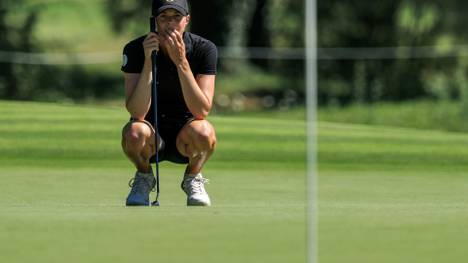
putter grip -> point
(152, 24)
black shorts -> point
(169, 128)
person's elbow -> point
(202, 113)
(135, 113)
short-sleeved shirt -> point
(202, 56)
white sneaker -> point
(194, 187)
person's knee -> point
(135, 137)
(196, 138)
(133, 142)
(207, 137)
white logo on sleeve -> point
(124, 60)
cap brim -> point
(175, 7)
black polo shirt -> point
(202, 56)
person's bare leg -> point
(138, 145)
(196, 141)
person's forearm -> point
(139, 102)
(197, 102)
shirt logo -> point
(124, 60)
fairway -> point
(64, 182)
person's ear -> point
(187, 20)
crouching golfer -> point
(186, 69)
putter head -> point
(155, 203)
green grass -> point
(392, 194)
(64, 182)
(425, 114)
(386, 194)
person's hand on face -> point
(172, 25)
(175, 46)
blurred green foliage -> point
(51, 26)
(399, 24)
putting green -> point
(64, 182)
(385, 194)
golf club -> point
(154, 97)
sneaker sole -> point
(195, 203)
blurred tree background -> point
(421, 56)
(400, 24)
